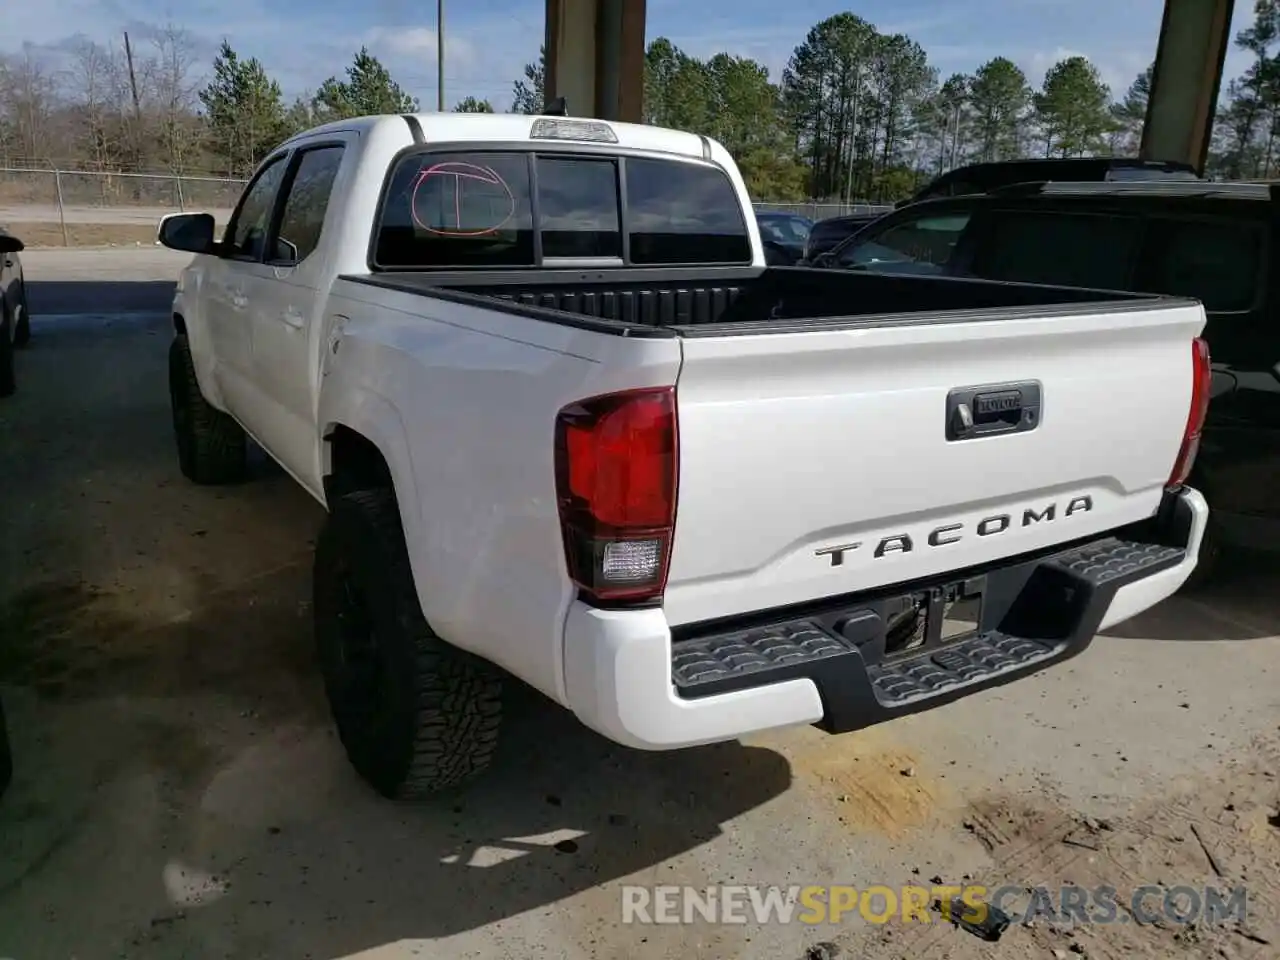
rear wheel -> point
(415, 714)
(211, 445)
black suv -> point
(982, 177)
(1216, 242)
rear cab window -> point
(529, 208)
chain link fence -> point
(64, 200)
(821, 209)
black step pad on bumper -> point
(1036, 612)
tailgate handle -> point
(992, 409)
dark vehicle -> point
(15, 324)
(981, 177)
(978, 178)
(829, 233)
(1216, 242)
(784, 233)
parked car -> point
(826, 235)
(788, 231)
(568, 426)
(1210, 241)
(15, 322)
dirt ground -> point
(37, 235)
(180, 792)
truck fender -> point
(374, 418)
(186, 320)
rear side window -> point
(479, 210)
(457, 210)
(683, 213)
(1064, 249)
(1216, 262)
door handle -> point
(292, 318)
(986, 411)
(238, 300)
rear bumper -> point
(629, 679)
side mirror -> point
(11, 244)
(188, 232)
(899, 204)
(286, 253)
(822, 260)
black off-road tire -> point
(415, 715)
(8, 380)
(211, 445)
(22, 331)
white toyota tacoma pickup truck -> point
(568, 426)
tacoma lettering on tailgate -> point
(954, 532)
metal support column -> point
(1194, 36)
(595, 57)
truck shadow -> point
(95, 297)
(209, 738)
(175, 762)
(1239, 604)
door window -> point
(306, 203)
(922, 245)
(247, 232)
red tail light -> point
(1202, 375)
(616, 484)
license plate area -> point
(933, 618)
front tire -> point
(211, 445)
(415, 715)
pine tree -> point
(367, 90)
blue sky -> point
(488, 41)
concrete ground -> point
(71, 213)
(180, 792)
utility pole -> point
(137, 106)
(440, 55)
(133, 78)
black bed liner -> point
(729, 300)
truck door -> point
(227, 315)
(287, 294)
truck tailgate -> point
(820, 462)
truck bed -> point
(740, 299)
